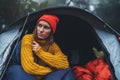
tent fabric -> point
(16, 55)
(6, 40)
(113, 46)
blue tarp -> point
(113, 46)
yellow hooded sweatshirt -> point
(50, 60)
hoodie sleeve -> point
(27, 59)
(57, 60)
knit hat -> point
(51, 19)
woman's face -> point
(43, 30)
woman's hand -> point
(35, 46)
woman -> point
(40, 55)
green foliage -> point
(108, 10)
(11, 10)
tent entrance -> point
(76, 38)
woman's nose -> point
(41, 29)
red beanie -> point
(51, 19)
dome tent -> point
(78, 32)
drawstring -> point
(118, 34)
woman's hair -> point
(50, 38)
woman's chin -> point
(41, 38)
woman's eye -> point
(40, 25)
(46, 27)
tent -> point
(78, 32)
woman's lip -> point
(40, 34)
